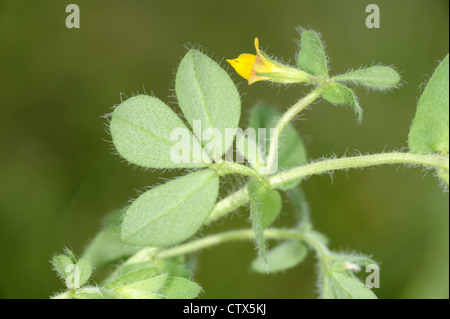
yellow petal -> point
(257, 45)
(243, 64)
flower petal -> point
(243, 64)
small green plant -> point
(149, 241)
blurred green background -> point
(59, 175)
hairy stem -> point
(311, 238)
(285, 119)
(358, 161)
(240, 197)
(216, 239)
(226, 168)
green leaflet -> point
(339, 94)
(282, 257)
(312, 57)
(265, 206)
(344, 285)
(268, 202)
(142, 289)
(129, 275)
(171, 213)
(291, 151)
(375, 77)
(145, 132)
(107, 247)
(120, 275)
(429, 129)
(180, 288)
(136, 270)
(205, 92)
(70, 254)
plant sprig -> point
(150, 242)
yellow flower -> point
(259, 68)
(243, 64)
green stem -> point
(312, 238)
(309, 237)
(216, 239)
(358, 161)
(240, 197)
(229, 204)
(284, 121)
